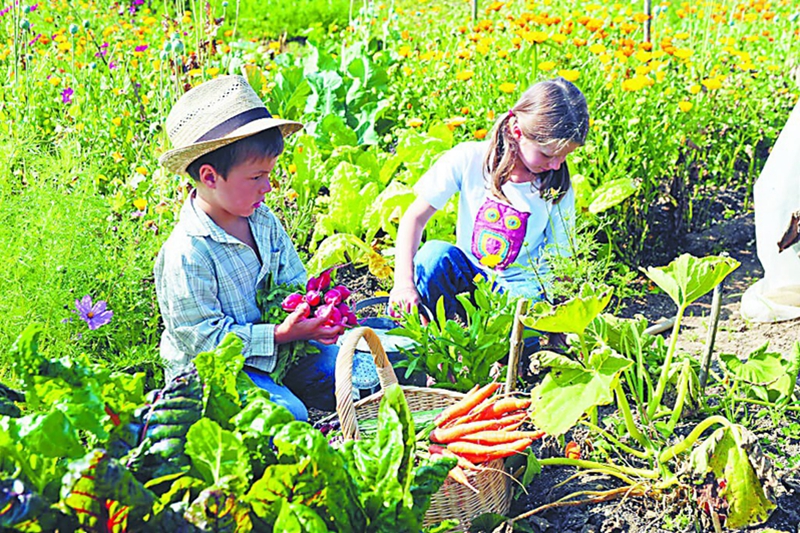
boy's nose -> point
(267, 187)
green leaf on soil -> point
(573, 316)
(570, 389)
(687, 278)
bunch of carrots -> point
(481, 427)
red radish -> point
(313, 298)
(291, 302)
(333, 296)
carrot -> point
(478, 453)
(454, 433)
(501, 436)
(502, 407)
(465, 464)
(463, 406)
(471, 416)
(459, 476)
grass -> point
(57, 244)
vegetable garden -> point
(92, 439)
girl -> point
(515, 199)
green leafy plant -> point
(458, 356)
(211, 453)
(610, 355)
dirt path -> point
(736, 237)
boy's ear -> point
(208, 176)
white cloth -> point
(516, 234)
(776, 297)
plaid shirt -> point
(206, 283)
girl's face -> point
(534, 158)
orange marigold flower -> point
(480, 134)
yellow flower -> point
(291, 195)
(597, 48)
(712, 83)
(116, 121)
(213, 71)
(381, 293)
(273, 45)
(195, 72)
(414, 122)
(480, 134)
(643, 56)
(535, 36)
(140, 204)
(464, 75)
(694, 89)
(559, 38)
(491, 260)
(117, 157)
(404, 51)
(683, 53)
(292, 168)
(685, 106)
(569, 75)
(544, 66)
(141, 170)
(54, 81)
(507, 87)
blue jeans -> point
(311, 382)
(442, 270)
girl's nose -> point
(555, 163)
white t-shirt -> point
(512, 235)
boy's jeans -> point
(310, 382)
(442, 270)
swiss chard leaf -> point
(218, 371)
(218, 454)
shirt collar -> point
(198, 224)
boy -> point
(227, 242)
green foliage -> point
(458, 356)
(293, 19)
(237, 463)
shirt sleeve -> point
(444, 178)
(193, 314)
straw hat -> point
(215, 114)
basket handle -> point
(344, 376)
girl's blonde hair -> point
(552, 113)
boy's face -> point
(244, 189)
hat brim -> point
(178, 159)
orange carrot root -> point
(463, 406)
(501, 436)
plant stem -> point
(655, 401)
(690, 439)
(622, 402)
(602, 467)
(624, 447)
(767, 404)
(683, 387)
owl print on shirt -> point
(499, 231)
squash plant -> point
(609, 356)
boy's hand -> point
(298, 327)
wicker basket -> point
(453, 500)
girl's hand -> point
(298, 327)
(404, 299)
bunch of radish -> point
(322, 299)
(481, 427)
